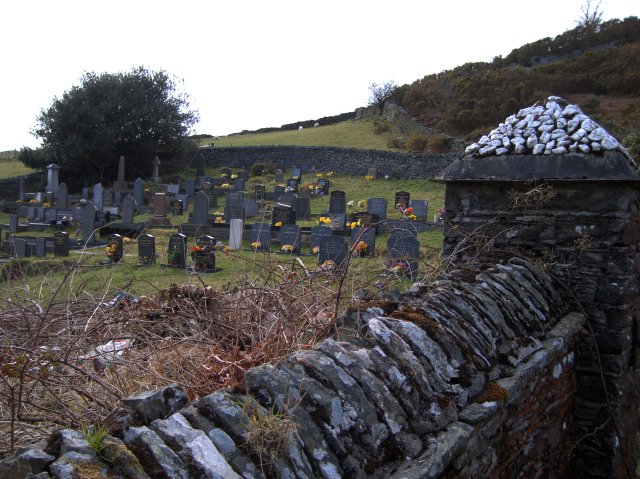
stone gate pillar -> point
(577, 213)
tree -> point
(137, 114)
(590, 18)
(380, 93)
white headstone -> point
(235, 234)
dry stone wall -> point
(471, 376)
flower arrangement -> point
(287, 248)
(227, 250)
(289, 189)
(324, 220)
(412, 217)
(361, 248)
(362, 203)
(328, 265)
(225, 186)
(110, 250)
(369, 177)
(278, 223)
(355, 224)
(399, 268)
(315, 250)
(46, 204)
(295, 177)
(234, 176)
(331, 174)
(218, 219)
(312, 186)
(202, 257)
(223, 175)
(320, 175)
(256, 245)
(442, 212)
(350, 204)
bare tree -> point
(591, 16)
(379, 93)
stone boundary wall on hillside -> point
(346, 161)
(472, 376)
(9, 186)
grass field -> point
(10, 167)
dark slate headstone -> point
(41, 247)
(339, 194)
(366, 236)
(333, 248)
(172, 189)
(116, 248)
(212, 194)
(41, 214)
(259, 192)
(402, 198)
(238, 184)
(200, 208)
(190, 187)
(61, 199)
(372, 171)
(365, 218)
(378, 206)
(107, 197)
(261, 233)
(287, 198)
(404, 249)
(250, 208)
(278, 191)
(290, 235)
(138, 191)
(85, 193)
(279, 176)
(233, 212)
(338, 222)
(420, 209)
(203, 254)
(234, 198)
(146, 249)
(20, 247)
(283, 214)
(61, 243)
(117, 198)
(176, 206)
(337, 205)
(297, 173)
(323, 183)
(185, 201)
(127, 209)
(390, 226)
(31, 213)
(177, 250)
(97, 196)
(292, 185)
(21, 191)
(317, 233)
(303, 207)
(87, 223)
(13, 223)
(199, 166)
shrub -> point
(381, 125)
(439, 143)
(416, 142)
(258, 169)
(397, 142)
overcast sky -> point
(257, 63)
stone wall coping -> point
(611, 166)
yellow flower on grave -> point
(278, 223)
(227, 250)
(223, 175)
(324, 220)
(126, 239)
(369, 177)
(331, 173)
(287, 248)
(46, 204)
(355, 224)
(361, 247)
(315, 250)
(234, 176)
(319, 175)
(362, 203)
(256, 245)
(295, 177)
(219, 219)
(225, 185)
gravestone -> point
(226, 171)
(156, 170)
(378, 206)
(203, 260)
(233, 212)
(287, 198)
(261, 233)
(250, 208)
(61, 243)
(116, 248)
(337, 205)
(190, 187)
(234, 198)
(404, 250)
(278, 191)
(146, 249)
(176, 207)
(367, 236)
(334, 249)
(107, 197)
(41, 247)
(61, 198)
(40, 214)
(339, 194)
(366, 219)
(177, 251)
(39, 197)
(317, 233)
(372, 171)
(292, 185)
(120, 184)
(421, 211)
(279, 176)
(51, 215)
(97, 196)
(303, 207)
(87, 223)
(402, 199)
(259, 192)
(284, 214)
(127, 209)
(13, 223)
(200, 166)
(31, 213)
(238, 184)
(53, 171)
(138, 191)
(338, 221)
(19, 247)
(159, 210)
(323, 183)
(236, 228)
(185, 201)
(390, 226)
(290, 235)
(117, 198)
(200, 208)
(296, 173)
(21, 196)
(85, 193)
(172, 189)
